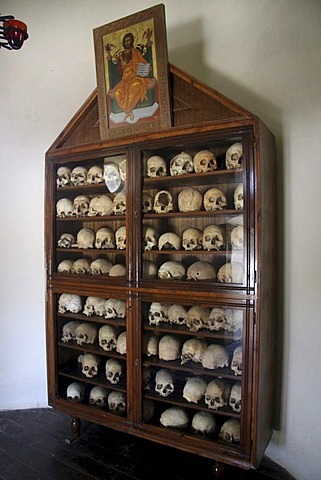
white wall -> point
(263, 54)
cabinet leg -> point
(75, 429)
(218, 470)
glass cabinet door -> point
(90, 234)
(196, 228)
(92, 351)
(194, 368)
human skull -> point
(190, 200)
(100, 266)
(76, 392)
(164, 382)
(120, 237)
(119, 204)
(236, 364)
(95, 175)
(98, 396)
(63, 176)
(157, 313)
(146, 378)
(204, 161)
(86, 333)
(177, 315)
(214, 199)
(80, 207)
(78, 176)
(121, 345)
(217, 394)
(175, 417)
(94, 305)
(163, 202)
(239, 197)
(203, 423)
(169, 348)
(65, 266)
(64, 208)
(117, 270)
(234, 321)
(80, 266)
(69, 331)
(171, 269)
(197, 318)
(192, 239)
(85, 238)
(89, 364)
(230, 272)
(156, 167)
(149, 269)
(105, 238)
(194, 389)
(230, 431)
(114, 370)
(100, 205)
(122, 170)
(112, 176)
(237, 237)
(217, 319)
(181, 164)
(236, 397)
(214, 238)
(69, 303)
(115, 308)
(169, 241)
(66, 240)
(193, 350)
(107, 337)
(200, 271)
(117, 402)
(148, 202)
(150, 344)
(215, 356)
(234, 156)
(150, 236)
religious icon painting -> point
(133, 74)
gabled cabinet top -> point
(193, 104)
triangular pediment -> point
(193, 103)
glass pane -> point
(91, 351)
(192, 368)
(193, 216)
(91, 218)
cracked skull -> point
(100, 205)
(163, 202)
(193, 350)
(169, 241)
(69, 303)
(190, 200)
(78, 176)
(181, 164)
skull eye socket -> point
(232, 400)
(217, 399)
(207, 398)
(86, 368)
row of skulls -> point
(190, 199)
(102, 307)
(86, 206)
(98, 397)
(94, 175)
(203, 423)
(229, 272)
(114, 370)
(213, 237)
(82, 266)
(104, 238)
(216, 393)
(85, 333)
(202, 162)
(212, 356)
(196, 317)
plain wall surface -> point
(264, 55)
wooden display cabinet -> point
(197, 361)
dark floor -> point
(33, 446)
